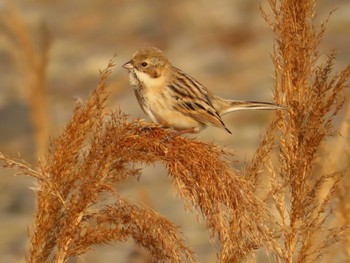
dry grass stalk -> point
(313, 98)
(32, 63)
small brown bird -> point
(176, 100)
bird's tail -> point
(224, 106)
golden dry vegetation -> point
(288, 201)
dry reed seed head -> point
(145, 226)
(77, 177)
(31, 62)
(196, 168)
(205, 182)
(313, 95)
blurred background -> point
(224, 44)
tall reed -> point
(32, 61)
(313, 96)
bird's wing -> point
(193, 99)
(200, 111)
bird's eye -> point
(144, 64)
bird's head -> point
(149, 64)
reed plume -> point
(313, 96)
(32, 61)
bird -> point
(176, 100)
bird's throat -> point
(149, 81)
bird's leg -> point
(189, 130)
(178, 133)
(152, 126)
(147, 129)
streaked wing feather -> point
(199, 113)
(193, 99)
(184, 81)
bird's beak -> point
(128, 65)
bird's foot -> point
(178, 133)
(148, 128)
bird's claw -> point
(147, 128)
(166, 139)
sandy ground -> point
(224, 44)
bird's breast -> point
(158, 104)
